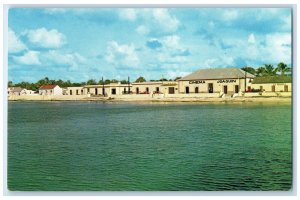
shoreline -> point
(168, 100)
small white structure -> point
(16, 91)
(29, 92)
(50, 90)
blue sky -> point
(79, 44)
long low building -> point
(225, 80)
(202, 83)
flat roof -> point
(220, 73)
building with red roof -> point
(50, 90)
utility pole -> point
(128, 85)
(103, 90)
(245, 80)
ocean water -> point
(96, 146)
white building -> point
(50, 90)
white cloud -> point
(128, 14)
(171, 41)
(251, 39)
(142, 30)
(279, 47)
(166, 22)
(62, 59)
(118, 54)
(29, 58)
(15, 45)
(46, 38)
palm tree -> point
(282, 68)
(261, 71)
(270, 71)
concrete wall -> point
(47, 97)
(268, 94)
(267, 87)
(76, 91)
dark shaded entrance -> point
(273, 88)
(225, 89)
(236, 89)
(187, 90)
(171, 90)
(210, 88)
(137, 90)
(113, 91)
(196, 90)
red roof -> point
(48, 86)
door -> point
(236, 89)
(113, 91)
(137, 90)
(171, 90)
(187, 90)
(196, 90)
(210, 88)
(225, 89)
(96, 91)
(147, 90)
(286, 88)
(273, 88)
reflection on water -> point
(61, 146)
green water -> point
(84, 146)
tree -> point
(124, 82)
(163, 79)
(261, 71)
(114, 81)
(140, 79)
(91, 82)
(107, 81)
(269, 70)
(250, 70)
(282, 68)
(10, 84)
(178, 77)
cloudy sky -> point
(80, 44)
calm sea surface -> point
(63, 146)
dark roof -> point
(16, 89)
(220, 73)
(272, 79)
(45, 87)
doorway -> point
(210, 88)
(113, 91)
(137, 90)
(171, 90)
(196, 90)
(273, 88)
(225, 89)
(187, 90)
(96, 91)
(286, 88)
(236, 89)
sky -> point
(79, 44)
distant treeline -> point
(265, 70)
(269, 70)
(68, 83)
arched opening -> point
(196, 89)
